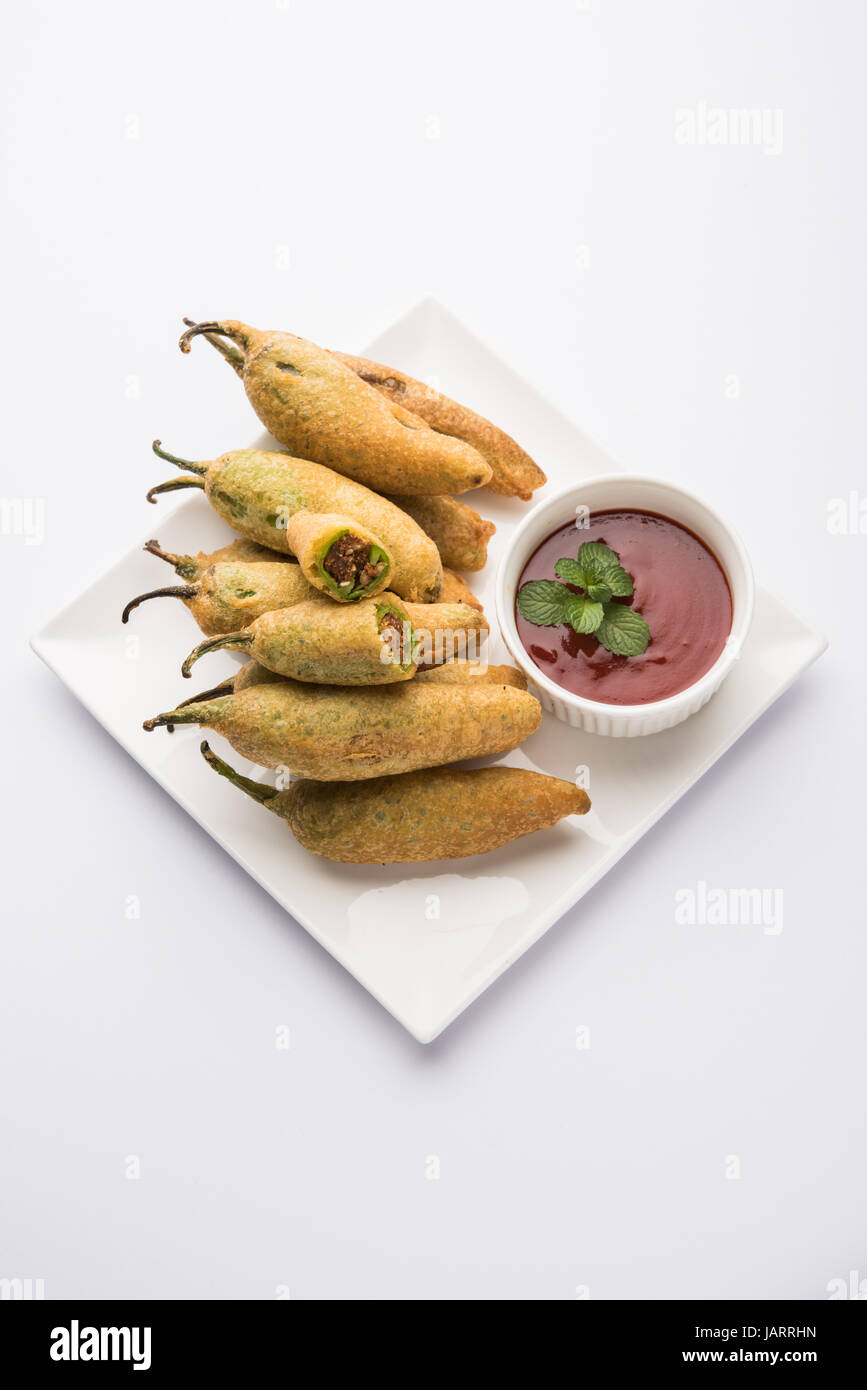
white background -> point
(319, 167)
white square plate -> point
(425, 940)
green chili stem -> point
(185, 565)
(172, 717)
(226, 688)
(202, 713)
(235, 333)
(234, 358)
(235, 641)
(200, 468)
(174, 485)
(246, 784)
(172, 591)
(154, 548)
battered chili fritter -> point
(326, 643)
(444, 813)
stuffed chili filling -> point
(353, 565)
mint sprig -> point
(598, 571)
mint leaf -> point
(582, 614)
(571, 572)
(598, 571)
(543, 602)
(600, 593)
(594, 558)
(623, 631)
(618, 581)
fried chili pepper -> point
(257, 493)
(367, 643)
(514, 473)
(349, 733)
(322, 410)
(230, 596)
(441, 813)
(459, 533)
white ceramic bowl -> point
(643, 494)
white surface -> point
(628, 277)
(426, 939)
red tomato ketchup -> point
(680, 589)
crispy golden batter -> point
(192, 567)
(346, 734)
(459, 533)
(235, 595)
(366, 643)
(230, 595)
(258, 493)
(514, 473)
(463, 672)
(238, 549)
(455, 589)
(321, 410)
(456, 672)
(253, 673)
(441, 813)
(443, 631)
